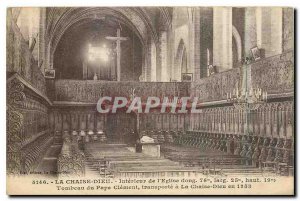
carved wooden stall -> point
(28, 135)
(71, 160)
(75, 111)
(267, 135)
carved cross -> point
(118, 40)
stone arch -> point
(184, 66)
(238, 43)
(62, 18)
(183, 26)
(181, 55)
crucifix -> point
(118, 40)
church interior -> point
(61, 60)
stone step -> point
(241, 171)
(134, 164)
(154, 168)
(118, 159)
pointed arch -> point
(180, 59)
(238, 42)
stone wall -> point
(19, 57)
(288, 29)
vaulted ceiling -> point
(145, 22)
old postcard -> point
(150, 100)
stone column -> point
(164, 75)
(269, 30)
(250, 29)
(222, 38)
(41, 39)
(153, 62)
(170, 54)
(196, 44)
(276, 31)
(148, 61)
(206, 39)
(288, 29)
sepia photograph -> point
(159, 100)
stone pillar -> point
(269, 30)
(206, 39)
(153, 61)
(158, 58)
(41, 39)
(164, 75)
(170, 54)
(147, 65)
(250, 29)
(288, 29)
(143, 76)
(196, 44)
(276, 31)
(222, 38)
